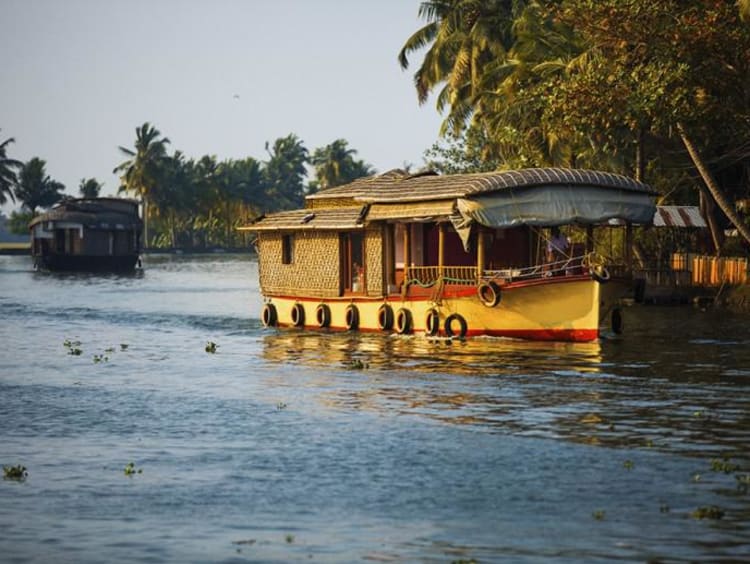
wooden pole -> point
(441, 249)
(407, 257)
(480, 254)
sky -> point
(217, 77)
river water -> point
(287, 446)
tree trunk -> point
(712, 186)
(708, 210)
(145, 223)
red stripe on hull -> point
(573, 335)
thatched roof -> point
(397, 186)
(310, 220)
(94, 213)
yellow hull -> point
(558, 308)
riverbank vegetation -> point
(656, 90)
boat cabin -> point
(88, 234)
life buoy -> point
(462, 327)
(351, 317)
(617, 323)
(489, 293)
(403, 321)
(268, 316)
(599, 273)
(298, 315)
(385, 317)
(432, 322)
(323, 315)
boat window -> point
(287, 249)
(353, 266)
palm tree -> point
(335, 165)
(284, 173)
(140, 173)
(464, 37)
(35, 188)
(90, 188)
(8, 169)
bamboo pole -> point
(480, 254)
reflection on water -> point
(621, 393)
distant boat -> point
(458, 255)
(88, 234)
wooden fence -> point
(711, 271)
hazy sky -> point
(217, 77)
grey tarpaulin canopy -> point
(554, 204)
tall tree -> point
(284, 173)
(140, 172)
(652, 61)
(8, 168)
(335, 165)
(90, 188)
(463, 38)
(35, 189)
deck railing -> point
(429, 275)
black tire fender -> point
(462, 326)
(351, 317)
(489, 293)
(403, 321)
(323, 316)
(432, 322)
(385, 317)
(268, 317)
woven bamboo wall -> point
(374, 260)
(314, 270)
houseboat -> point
(451, 256)
(88, 234)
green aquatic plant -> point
(724, 465)
(707, 512)
(289, 539)
(100, 358)
(664, 508)
(130, 469)
(281, 405)
(211, 347)
(599, 514)
(17, 472)
(628, 465)
(74, 347)
(357, 364)
(124, 346)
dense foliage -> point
(192, 203)
(199, 203)
(657, 89)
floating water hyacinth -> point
(130, 469)
(211, 347)
(17, 472)
(708, 512)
